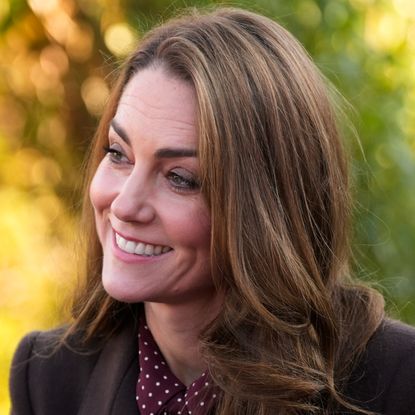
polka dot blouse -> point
(159, 392)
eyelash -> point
(115, 156)
(177, 181)
(185, 185)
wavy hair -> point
(275, 178)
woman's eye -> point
(115, 155)
(183, 181)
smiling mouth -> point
(140, 248)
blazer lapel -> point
(111, 388)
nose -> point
(133, 201)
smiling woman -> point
(216, 280)
(152, 220)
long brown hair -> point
(275, 179)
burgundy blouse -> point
(160, 392)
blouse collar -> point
(160, 392)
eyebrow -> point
(175, 153)
(161, 152)
(120, 131)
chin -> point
(120, 292)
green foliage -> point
(55, 57)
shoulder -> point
(52, 377)
(45, 371)
(384, 379)
(393, 335)
(392, 344)
(391, 352)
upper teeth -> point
(139, 248)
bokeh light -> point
(119, 39)
(44, 7)
(405, 8)
(385, 31)
(94, 93)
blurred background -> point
(55, 60)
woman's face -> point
(151, 219)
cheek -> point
(202, 228)
(191, 226)
(101, 191)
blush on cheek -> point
(102, 190)
(100, 197)
(193, 228)
(203, 221)
(95, 192)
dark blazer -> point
(102, 382)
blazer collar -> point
(111, 388)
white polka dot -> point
(187, 402)
(136, 398)
(166, 391)
(139, 352)
(142, 387)
(164, 377)
(176, 384)
(143, 406)
(163, 363)
(202, 403)
(146, 358)
(157, 383)
(146, 343)
(146, 327)
(206, 383)
(156, 367)
(159, 402)
(214, 395)
(155, 352)
(196, 393)
(139, 380)
(179, 399)
(147, 376)
(150, 394)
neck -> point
(176, 329)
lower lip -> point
(133, 258)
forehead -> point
(158, 108)
(153, 98)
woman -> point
(217, 219)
